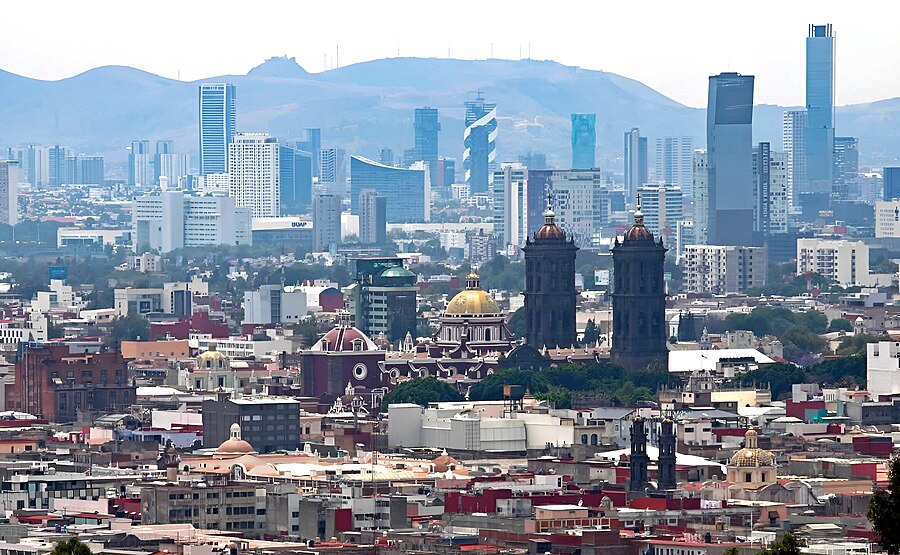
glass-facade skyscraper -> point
(635, 157)
(426, 128)
(729, 138)
(819, 109)
(584, 141)
(217, 126)
(480, 143)
(408, 191)
(846, 168)
(312, 143)
(295, 168)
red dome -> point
(344, 339)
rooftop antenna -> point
(337, 55)
(529, 50)
(492, 50)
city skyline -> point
(678, 74)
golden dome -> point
(472, 300)
(211, 353)
(751, 455)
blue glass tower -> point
(480, 143)
(217, 126)
(729, 137)
(407, 191)
(584, 141)
(819, 135)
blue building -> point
(312, 143)
(217, 126)
(891, 177)
(729, 122)
(584, 141)
(295, 168)
(819, 135)
(480, 143)
(408, 191)
(426, 128)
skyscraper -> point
(332, 172)
(295, 169)
(770, 191)
(550, 296)
(140, 164)
(701, 196)
(891, 183)
(86, 170)
(326, 222)
(217, 126)
(793, 130)
(57, 165)
(674, 163)
(254, 180)
(9, 192)
(172, 165)
(663, 207)
(408, 190)
(635, 157)
(426, 128)
(312, 143)
(846, 168)
(729, 120)
(510, 186)
(480, 143)
(584, 141)
(372, 217)
(820, 108)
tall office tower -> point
(675, 163)
(511, 207)
(326, 222)
(446, 173)
(819, 108)
(57, 162)
(332, 171)
(793, 129)
(480, 143)
(635, 157)
(9, 192)
(426, 127)
(846, 168)
(386, 156)
(534, 161)
(372, 217)
(539, 188)
(701, 196)
(663, 208)
(173, 166)
(584, 141)
(312, 143)
(891, 176)
(770, 215)
(295, 168)
(140, 164)
(639, 299)
(218, 122)
(85, 170)
(550, 296)
(729, 120)
(408, 190)
(33, 164)
(254, 179)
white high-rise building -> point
(171, 220)
(842, 261)
(887, 218)
(581, 203)
(332, 171)
(510, 186)
(326, 222)
(254, 176)
(701, 196)
(721, 269)
(9, 192)
(662, 206)
(770, 216)
(675, 163)
(793, 136)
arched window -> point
(584, 439)
(593, 439)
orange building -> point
(149, 350)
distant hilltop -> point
(366, 106)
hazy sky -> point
(670, 45)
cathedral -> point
(639, 299)
(550, 287)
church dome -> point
(751, 455)
(638, 231)
(235, 445)
(211, 354)
(472, 300)
(344, 338)
(550, 231)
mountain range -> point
(366, 106)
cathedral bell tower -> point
(639, 299)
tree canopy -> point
(129, 328)
(847, 371)
(421, 391)
(884, 510)
(72, 546)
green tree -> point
(856, 344)
(591, 333)
(421, 391)
(72, 546)
(786, 545)
(884, 510)
(516, 323)
(804, 339)
(780, 377)
(840, 324)
(129, 328)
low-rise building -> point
(845, 262)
